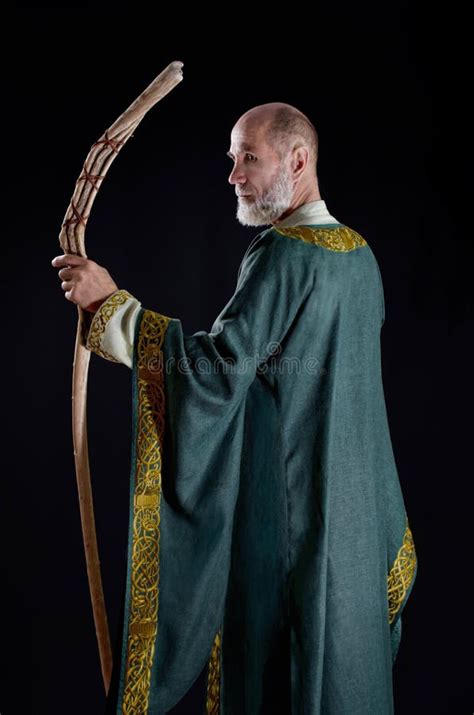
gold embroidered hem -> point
(213, 678)
(401, 574)
(100, 320)
(340, 238)
(144, 568)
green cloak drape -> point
(268, 533)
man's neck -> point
(306, 198)
(307, 214)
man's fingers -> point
(83, 281)
(66, 274)
(69, 259)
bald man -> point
(270, 549)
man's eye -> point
(251, 157)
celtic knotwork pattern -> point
(401, 574)
(100, 320)
(214, 677)
(145, 559)
(340, 238)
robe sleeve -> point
(189, 395)
(112, 328)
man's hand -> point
(85, 282)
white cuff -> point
(112, 329)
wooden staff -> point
(71, 239)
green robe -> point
(269, 540)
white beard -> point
(270, 206)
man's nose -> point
(237, 175)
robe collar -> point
(312, 213)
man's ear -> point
(299, 161)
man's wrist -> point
(94, 307)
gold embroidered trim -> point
(145, 564)
(100, 320)
(401, 574)
(341, 238)
(214, 678)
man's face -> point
(262, 183)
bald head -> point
(274, 152)
(286, 128)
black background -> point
(384, 92)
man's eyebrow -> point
(244, 147)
